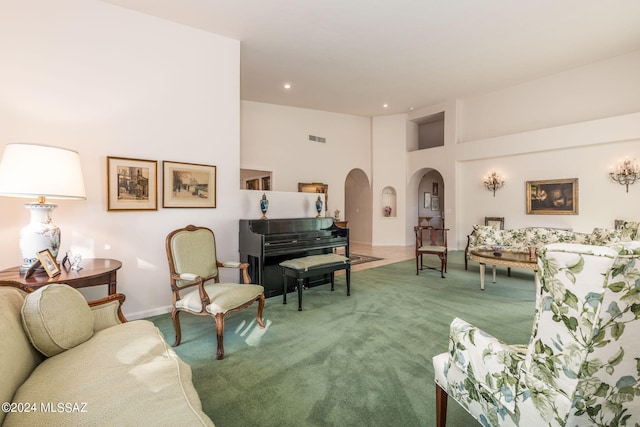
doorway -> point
(357, 206)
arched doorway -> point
(357, 206)
(431, 200)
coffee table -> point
(507, 259)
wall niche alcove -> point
(389, 206)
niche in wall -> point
(389, 202)
(315, 187)
(430, 131)
(251, 179)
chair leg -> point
(300, 286)
(333, 281)
(443, 264)
(349, 280)
(220, 336)
(417, 270)
(260, 308)
(441, 407)
(176, 326)
(284, 290)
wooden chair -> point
(437, 245)
(195, 281)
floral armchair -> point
(581, 366)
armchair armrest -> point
(490, 364)
(107, 311)
(243, 266)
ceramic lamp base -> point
(40, 234)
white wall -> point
(276, 138)
(575, 124)
(107, 81)
(602, 89)
(389, 141)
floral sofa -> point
(64, 363)
(580, 367)
(519, 240)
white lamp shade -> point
(30, 170)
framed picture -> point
(552, 197)
(266, 183)
(132, 184)
(48, 262)
(252, 184)
(427, 200)
(188, 185)
(435, 203)
(434, 189)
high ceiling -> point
(353, 56)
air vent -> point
(317, 138)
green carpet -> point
(363, 360)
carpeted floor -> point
(363, 360)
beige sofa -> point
(64, 363)
(519, 240)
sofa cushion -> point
(18, 358)
(125, 375)
(603, 236)
(487, 235)
(56, 318)
(629, 229)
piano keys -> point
(264, 244)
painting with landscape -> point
(188, 185)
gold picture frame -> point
(552, 197)
(48, 262)
(132, 184)
(188, 185)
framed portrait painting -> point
(132, 184)
(552, 197)
(188, 185)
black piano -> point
(264, 244)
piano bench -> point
(314, 265)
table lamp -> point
(40, 171)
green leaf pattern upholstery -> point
(519, 240)
(581, 366)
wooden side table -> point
(94, 272)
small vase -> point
(318, 206)
(264, 206)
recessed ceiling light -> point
(385, 105)
(287, 85)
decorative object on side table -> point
(626, 172)
(387, 210)
(336, 214)
(318, 206)
(264, 206)
(49, 263)
(40, 171)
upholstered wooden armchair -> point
(195, 281)
(581, 366)
(436, 245)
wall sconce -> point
(627, 172)
(493, 181)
